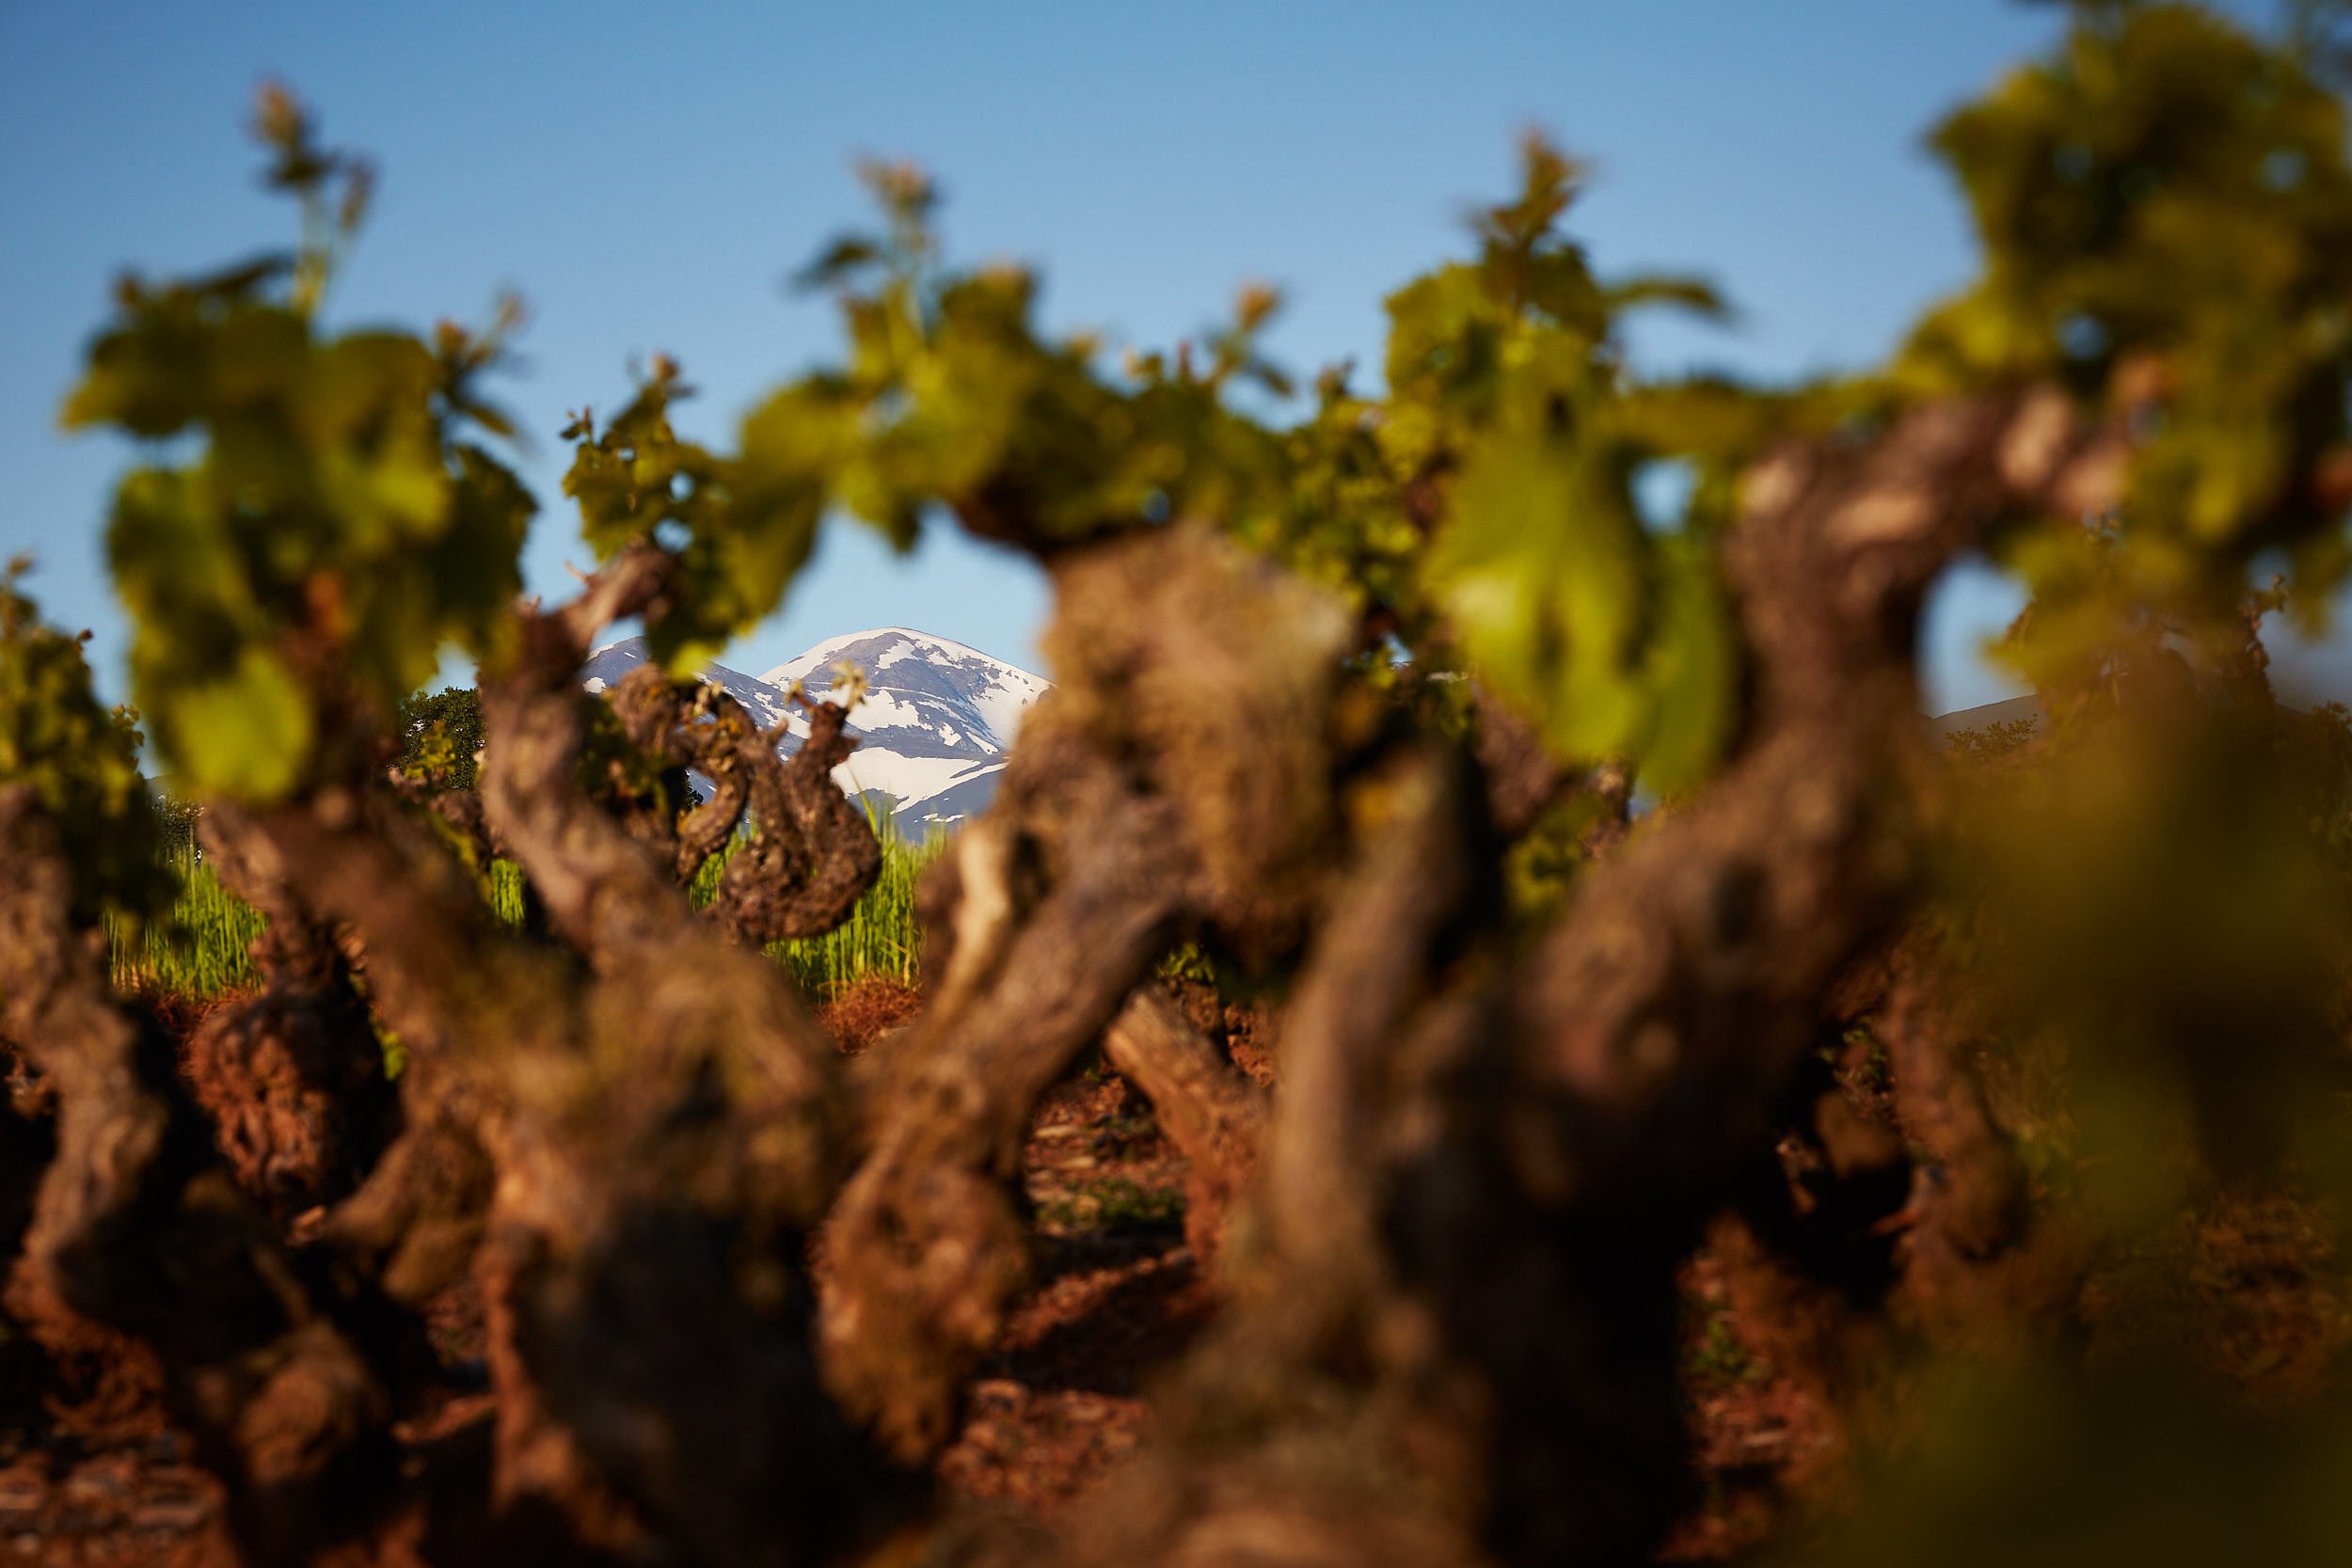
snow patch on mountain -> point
(934, 723)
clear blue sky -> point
(648, 175)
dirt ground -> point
(102, 1480)
(106, 1481)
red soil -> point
(867, 1010)
(90, 1473)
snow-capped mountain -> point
(934, 723)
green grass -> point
(1115, 1206)
(201, 951)
(1717, 1358)
(881, 935)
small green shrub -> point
(1717, 1358)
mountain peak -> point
(888, 638)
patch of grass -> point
(201, 950)
(881, 935)
(506, 893)
(1115, 1206)
(1718, 1357)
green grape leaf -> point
(1545, 581)
(247, 734)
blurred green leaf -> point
(246, 735)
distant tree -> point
(441, 739)
(176, 822)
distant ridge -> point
(2015, 709)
